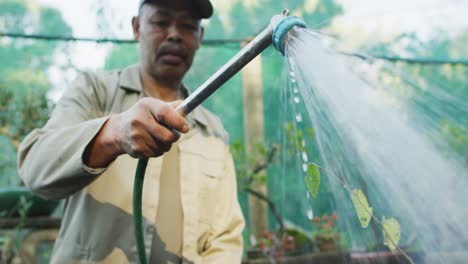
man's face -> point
(169, 34)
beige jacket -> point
(97, 225)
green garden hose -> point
(137, 212)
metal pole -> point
(234, 65)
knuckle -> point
(135, 136)
(157, 131)
(135, 150)
(135, 122)
(168, 137)
(164, 110)
(139, 105)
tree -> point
(23, 80)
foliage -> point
(457, 137)
(121, 56)
(21, 16)
(256, 16)
(25, 107)
(363, 210)
(391, 233)
(326, 228)
(23, 80)
(390, 227)
(276, 246)
(11, 242)
(251, 166)
(312, 179)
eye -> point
(160, 23)
(190, 26)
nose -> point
(174, 34)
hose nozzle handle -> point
(281, 25)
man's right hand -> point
(142, 131)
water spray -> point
(276, 34)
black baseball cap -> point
(204, 7)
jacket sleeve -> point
(227, 245)
(50, 159)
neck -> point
(165, 91)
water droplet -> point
(303, 143)
(304, 167)
(304, 157)
(297, 99)
(299, 118)
(292, 74)
(308, 195)
(293, 80)
(310, 214)
(253, 240)
(296, 91)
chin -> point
(170, 73)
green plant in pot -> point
(274, 246)
(327, 237)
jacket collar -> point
(130, 80)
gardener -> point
(87, 154)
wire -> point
(221, 42)
(405, 60)
(213, 42)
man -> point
(87, 153)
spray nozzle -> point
(281, 25)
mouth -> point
(172, 56)
(172, 59)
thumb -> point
(175, 105)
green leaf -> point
(361, 205)
(310, 133)
(391, 233)
(312, 179)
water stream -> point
(371, 136)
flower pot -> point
(10, 202)
(327, 245)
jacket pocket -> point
(202, 168)
(212, 171)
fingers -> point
(150, 127)
(166, 114)
(145, 146)
(161, 134)
(155, 150)
(148, 152)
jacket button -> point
(150, 229)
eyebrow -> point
(162, 12)
(166, 12)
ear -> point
(136, 28)
(202, 32)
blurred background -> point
(44, 44)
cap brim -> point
(205, 8)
